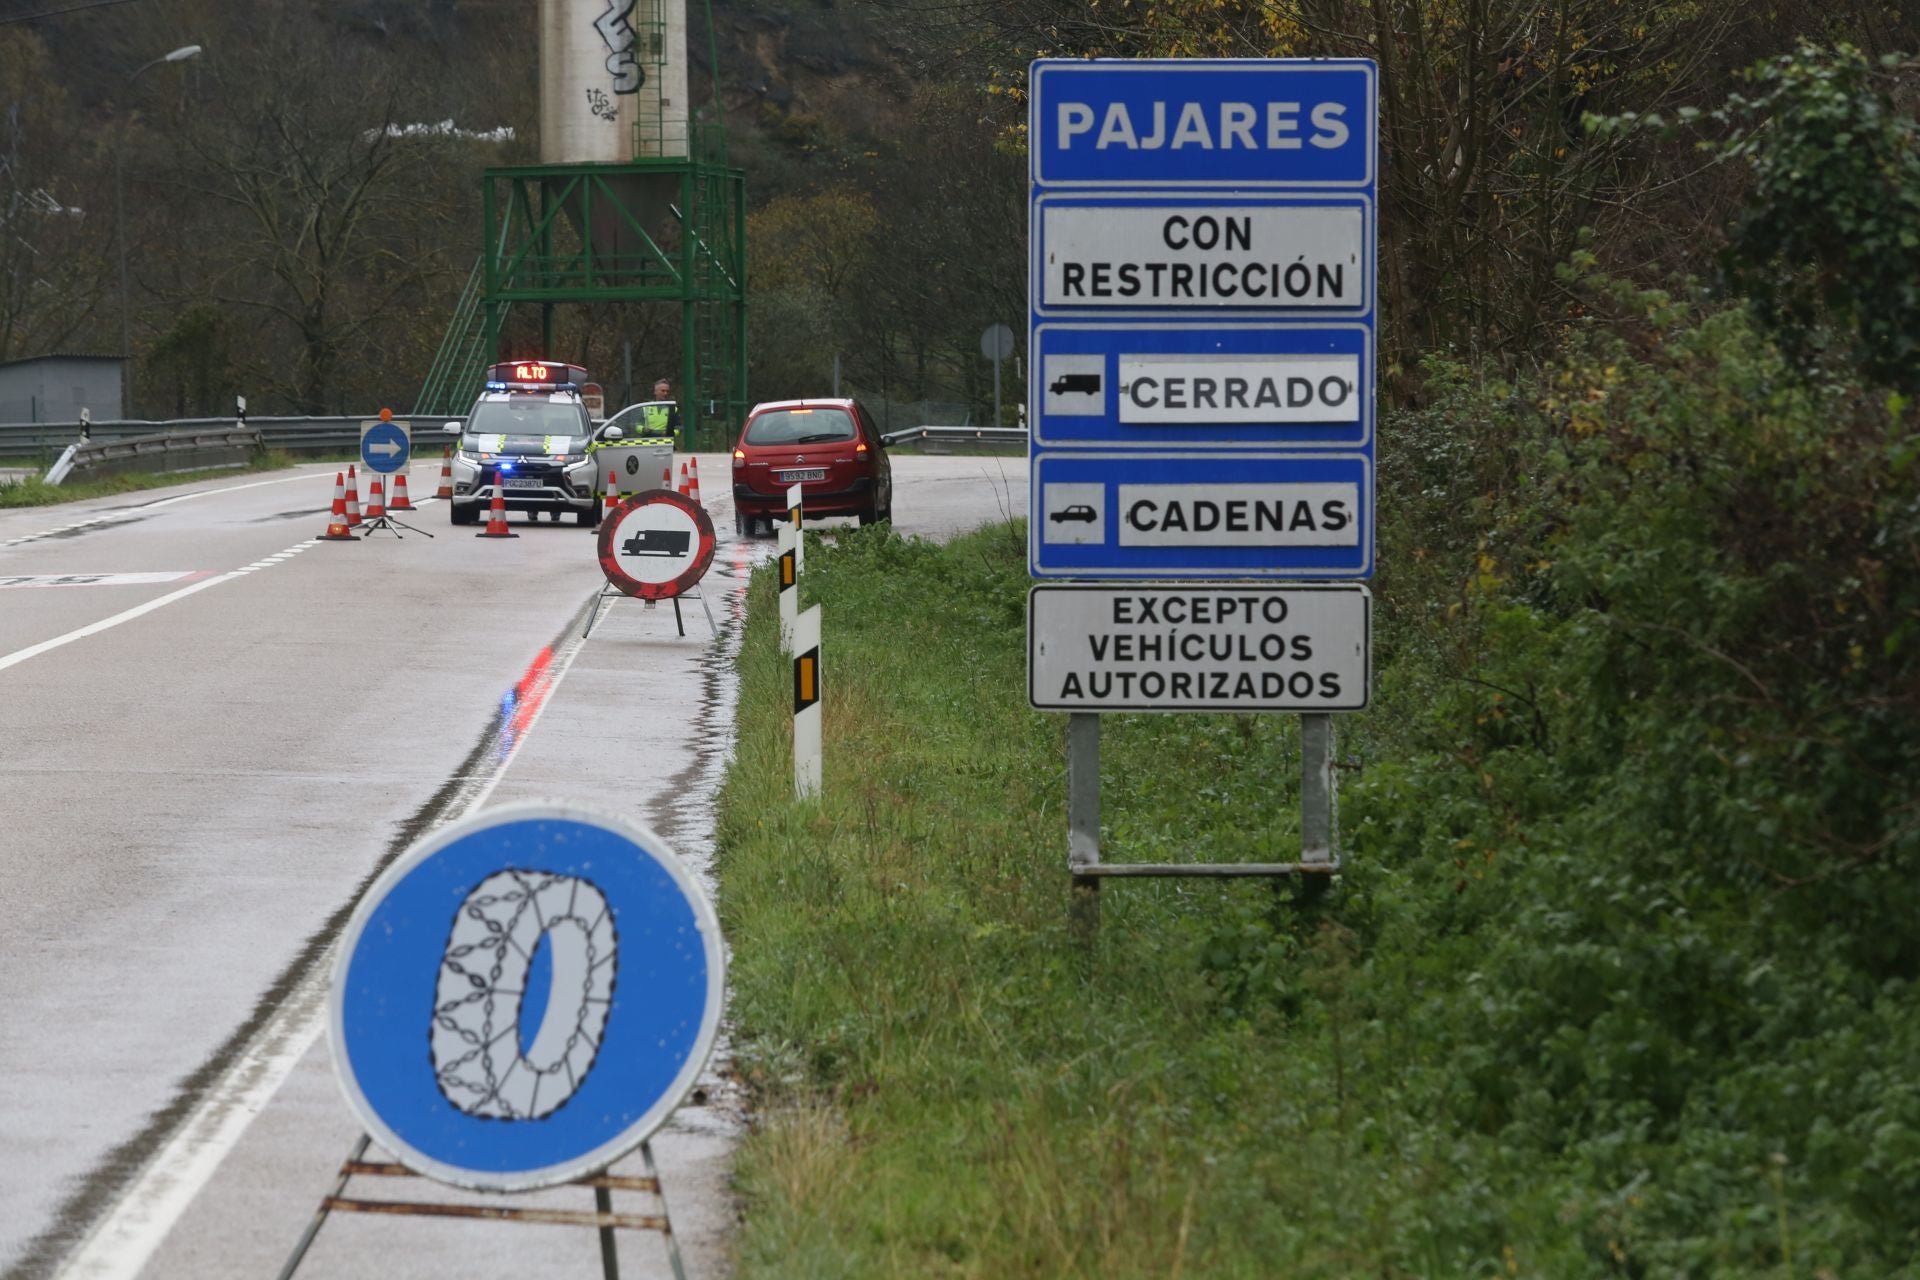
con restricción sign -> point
(524, 996)
(656, 545)
(1156, 647)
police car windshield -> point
(800, 426)
(528, 417)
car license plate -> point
(793, 477)
(521, 482)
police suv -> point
(527, 439)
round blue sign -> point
(385, 447)
(525, 996)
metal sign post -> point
(1201, 384)
(996, 344)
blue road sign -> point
(1202, 386)
(1178, 122)
(1201, 310)
(1138, 514)
(525, 996)
(385, 446)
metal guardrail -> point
(166, 451)
(958, 435)
(43, 441)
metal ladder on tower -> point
(454, 377)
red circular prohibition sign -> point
(670, 532)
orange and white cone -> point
(446, 474)
(376, 501)
(400, 500)
(353, 498)
(693, 479)
(497, 519)
(613, 492)
(682, 490)
(337, 530)
(666, 476)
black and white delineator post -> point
(806, 705)
(788, 583)
(796, 518)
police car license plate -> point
(520, 482)
(812, 473)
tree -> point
(55, 268)
(327, 225)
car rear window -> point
(800, 426)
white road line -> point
(126, 615)
(125, 1240)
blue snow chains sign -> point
(1240, 123)
(1137, 514)
(525, 996)
(385, 447)
(1202, 386)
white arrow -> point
(387, 447)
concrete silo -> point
(633, 201)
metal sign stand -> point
(387, 522)
(1319, 827)
(603, 1216)
(611, 592)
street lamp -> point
(181, 54)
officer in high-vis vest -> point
(662, 419)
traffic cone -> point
(496, 519)
(337, 530)
(682, 490)
(693, 479)
(376, 501)
(400, 500)
(666, 476)
(446, 474)
(353, 498)
(613, 492)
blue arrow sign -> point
(1241, 123)
(385, 446)
(525, 996)
(1225, 515)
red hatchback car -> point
(828, 447)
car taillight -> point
(739, 455)
(861, 447)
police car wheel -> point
(587, 519)
(463, 515)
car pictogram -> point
(1078, 511)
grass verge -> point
(32, 491)
(950, 1086)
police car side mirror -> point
(612, 433)
(451, 428)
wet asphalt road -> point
(200, 767)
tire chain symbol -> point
(482, 988)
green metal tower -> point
(666, 227)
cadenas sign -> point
(616, 29)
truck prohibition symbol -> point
(657, 542)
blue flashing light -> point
(506, 466)
(496, 386)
